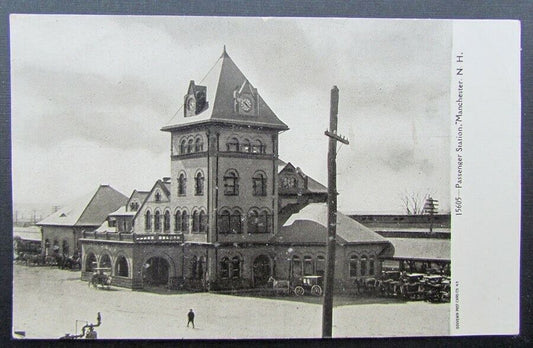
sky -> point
(91, 93)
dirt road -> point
(47, 302)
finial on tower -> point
(224, 53)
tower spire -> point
(224, 53)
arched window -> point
(296, 267)
(253, 221)
(90, 262)
(148, 220)
(158, 196)
(183, 147)
(231, 183)
(353, 266)
(121, 269)
(199, 145)
(224, 222)
(190, 146)
(177, 221)
(105, 261)
(363, 265)
(64, 247)
(258, 147)
(233, 145)
(55, 248)
(320, 265)
(263, 222)
(236, 267)
(203, 221)
(259, 184)
(308, 265)
(182, 184)
(166, 221)
(184, 222)
(371, 266)
(157, 221)
(201, 266)
(194, 267)
(246, 146)
(235, 222)
(224, 268)
(199, 184)
(195, 221)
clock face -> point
(246, 104)
(191, 104)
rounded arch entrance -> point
(262, 270)
(157, 270)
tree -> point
(414, 202)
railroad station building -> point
(231, 214)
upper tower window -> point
(190, 146)
(246, 147)
(259, 184)
(231, 183)
(233, 145)
(199, 145)
(182, 184)
(258, 147)
(183, 146)
(199, 184)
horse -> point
(34, 259)
(280, 284)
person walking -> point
(190, 318)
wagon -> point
(102, 277)
(310, 285)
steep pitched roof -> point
(309, 225)
(313, 186)
(222, 81)
(90, 210)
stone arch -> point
(105, 260)
(262, 266)
(89, 260)
(122, 266)
(157, 269)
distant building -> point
(416, 249)
(232, 214)
(61, 230)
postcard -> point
(244, 177)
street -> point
(47, 302)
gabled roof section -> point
(313, 186)
(90, 210)
(309, 225)
(222, 82)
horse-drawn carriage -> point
(303, 285)
(101, 277)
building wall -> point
(60, 234)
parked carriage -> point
(301, 286)
(101, 277)
(309, 285)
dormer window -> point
(288, 182)
(195, 101)
(157, 197)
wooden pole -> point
(327, 308)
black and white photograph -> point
(238, 178)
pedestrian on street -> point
(190, 317)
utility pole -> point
(431, 208)
(327, 306)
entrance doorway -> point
(156, 272)
(262, 270)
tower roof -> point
(222, 82)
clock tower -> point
(224, 162)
